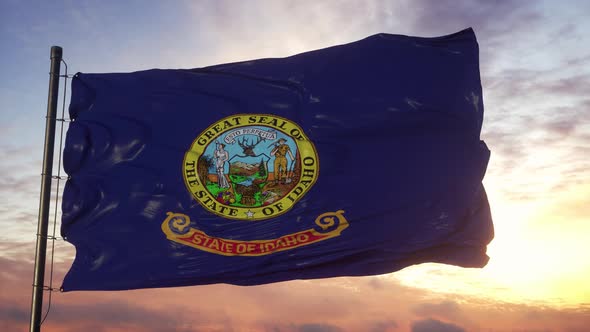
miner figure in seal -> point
(280, 152)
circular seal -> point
(250, 167)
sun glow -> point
(539, 255)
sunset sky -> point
(535, 71)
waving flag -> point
(357, 159)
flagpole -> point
(43, 220)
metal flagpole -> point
(43, 221)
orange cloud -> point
(339, 304)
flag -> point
(358, 159)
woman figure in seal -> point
(221, 156)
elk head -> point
(247, 147)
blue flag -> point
(352, 160)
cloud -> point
(383, 326)
(310, 25)
(434, 16)
(338, 304)
(578, 61)
(119, 314)
(433, 325)
(518, 86)
(319, 328)
(12, 314)
(19, 193)
(232, 31)
(446, 309)
(538, 132)
(111, 314)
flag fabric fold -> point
(352, 160)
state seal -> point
(250, 167)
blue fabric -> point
(394, 122)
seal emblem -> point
(250, 167)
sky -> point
(535, 71)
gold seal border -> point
(304, 145)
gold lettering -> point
(202, 141)
(213, 205)
(291, 240)
(226, 125)
(308, 161)
(197, 239)
(269, 246)
(209, 134)
(274, 122)
(302, 237)
(308, 172)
